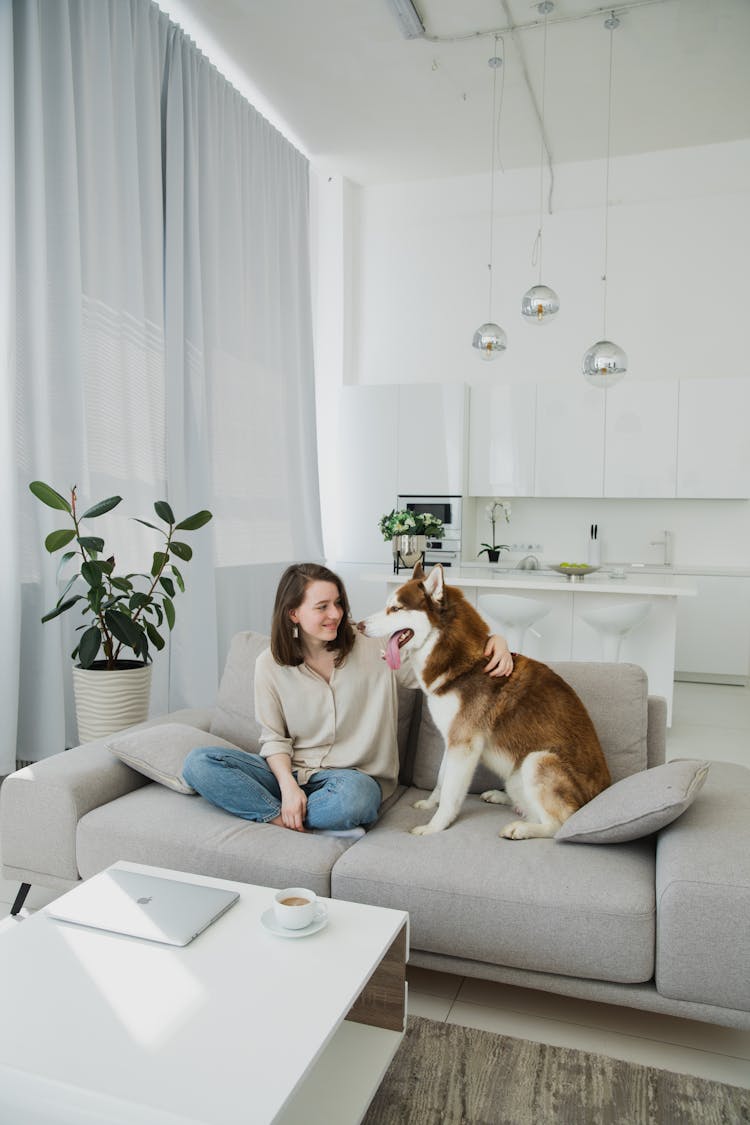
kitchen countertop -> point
(638, 583)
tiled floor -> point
(711, 722)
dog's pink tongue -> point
(393, 652)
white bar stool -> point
(613, 622)
(513, 615)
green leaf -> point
(168, 585)
(192, 523)
(160, 560)
(151, 525)
(138, 600)
(178, 578)
(57, 539)
(68, 584)
(93, 571)
(91, 543)
(102, 507)
(182, 550)
(156, 640)
(169, 612)
(89, 646)
(122, 584)
(62, 608)
(49, 497)
(121, 626)
(163, 511)
(65, 559)
(141, 649)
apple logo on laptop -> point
(144, 900)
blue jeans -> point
(243, 784)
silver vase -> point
(408, 550)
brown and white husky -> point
(530, 728)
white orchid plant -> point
(492, 510)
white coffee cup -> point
(296, 907)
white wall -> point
(414, 288)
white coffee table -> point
(239, 1026)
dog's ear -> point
(434, 585)
(418, 572)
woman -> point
(327, 705)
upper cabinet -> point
(569, 453)
(713, 450)
(501, 440)
(640, 458)
(431, 420)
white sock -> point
(348, 833)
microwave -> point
(447, 508)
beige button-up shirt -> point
(348, 723)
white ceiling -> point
(358, 98)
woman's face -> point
(320, 613)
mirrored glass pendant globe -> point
(489, 339)
(539, 304)
(604, 364)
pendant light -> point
(605, 363)
(489, 338)
(540, 303)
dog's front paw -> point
(423, 830)
(516, 830)
(496, 797)
(425, 803)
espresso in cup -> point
(296, 907)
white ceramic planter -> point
(107, 701)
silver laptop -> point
(143, 906)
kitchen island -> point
(563, 634)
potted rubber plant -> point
(124, 616)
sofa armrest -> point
(41, 804)
(656, 735)
(703, 895)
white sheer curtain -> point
(120, 136)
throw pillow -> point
(159, 752)
(636, 806)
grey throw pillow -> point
(636, 806)
(159, 752)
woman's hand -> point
(293, 806)
(500, 661)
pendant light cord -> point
(492, 173)
(538, 245)
(612, 27)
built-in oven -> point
(447, 508)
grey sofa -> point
(660, 923)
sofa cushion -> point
(234, 713)
(584, 912)
(159, 752)
(616, 698)
(638, 805)
(167, 829)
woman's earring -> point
(295, 631)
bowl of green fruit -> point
(575, 572)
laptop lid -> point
(144, 906)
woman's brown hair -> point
(285, 647)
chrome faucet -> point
(530, 562)
(666, 543)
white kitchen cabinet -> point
(713, 631)
(713, 451)
(431, 425)
(501, 440)
(640, 450)
(367, 470)
(569, 448)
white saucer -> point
(268, 921)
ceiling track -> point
(529, 25)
